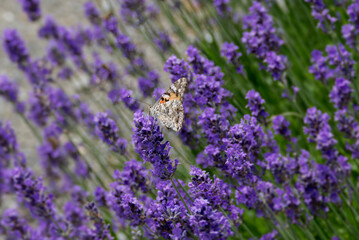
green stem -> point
(184, 190)
(180, 196)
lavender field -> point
(179, 119)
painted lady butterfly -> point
(169, 109)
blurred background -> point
(66, 13)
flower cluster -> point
(207, 222)
(163, 41)
(229, 51)
(222, 7)
(148, 139)
(133, 12)
(262, 41)
(124, 95)
(255, 105)
(107, 131)
(284, 165)
(341, 93)
(337, 63)
(321, 13)
(16, 227)
(15, 48)
(9, 90)
(350, 31)
(32, 9)
(176, 68)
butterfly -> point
(168, 110)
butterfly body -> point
(168, 110)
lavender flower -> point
(288, 200)
(65, 73)
(103, 72)
(166, 211)
(321, 13)
(8, 144)
(176, 68)
(75, 215)
(281, 167)
(275, 64)
(205, 90)
(135, 176)
(61, 105)
(280, 126)
(316, 121)
(163, 41)
(353, 12)
(211, 156)
(242, 148)
(31, 8)
(110, 24)
(319, 131)
(214, 127)
(269, 236)
(124, 95)
(346, 124)
(84, 114)
(222, 7)
(9, 90)
(102, 230)
(38, 73)
(196, 60)
(350, 31)
(148, 83)
(81, 168)
(130, 52)
(208, 223)
(100, 196)
(92, 13)
(341, 94)
(51, 154)
(15, 48)
(349, 127)
(127, 47)
(209, 90)
(107, 131)
(16, 227)
(78, 194)
(340, 59)
(39, 111)
(133, 11)
(350, 35)
(31, 191)
(50, 29)
(255, 105)
(337, 63)
(262, 41)
(215, 191)
(125, 205)
(147, 139)
(317, 184)
(73, 46)
(55, 54)
(320, 68)
(229, 51)
(247, 196)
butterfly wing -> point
(169, 109)
(178, 87)
(171, 116)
